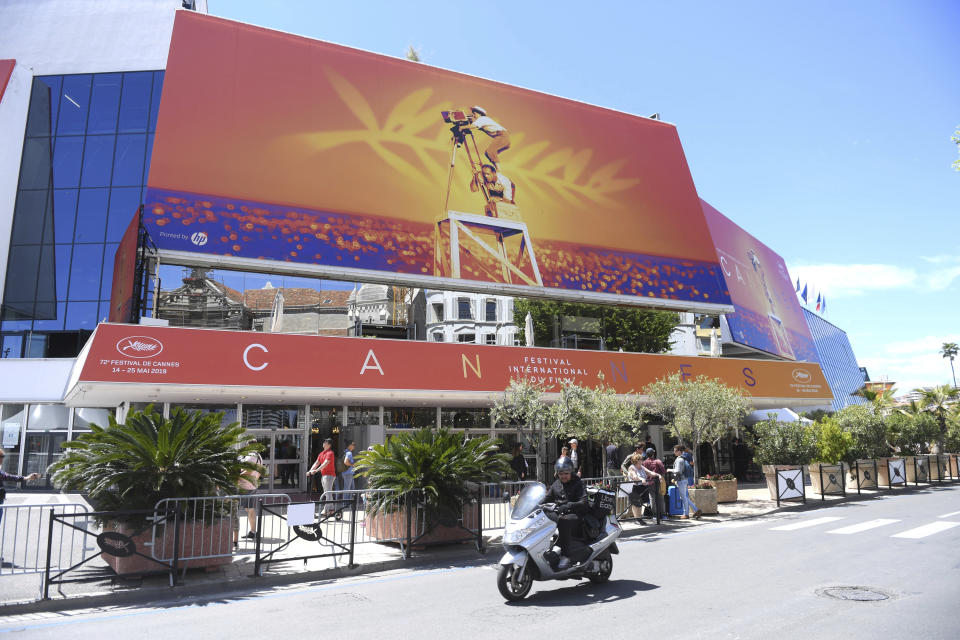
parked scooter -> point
(531, 535)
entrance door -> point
(282, 457)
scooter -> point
(530, 538)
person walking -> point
(518, 463)
(4, 476)
(682, 472)
(637, 448)
(346, 477)
(575, 457)
(637, 474)
(326, 466)
(611, 451)
(655, 466)
(247, 484)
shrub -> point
(909, 434)
(776, 442)
(868, 431)
(833, 443)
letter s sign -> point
(748, 378)
(246, 359)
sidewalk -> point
(18, 593)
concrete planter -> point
(705, 499)
(868, 478)
(918, 469)
(883, 471)
(833, 477)
(954, 471)
(770, 475)
(726, 490)
(196, 538)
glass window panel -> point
(91, 215)
(21, 289)
(409, 417)
(106, 284)
(270, 417)
(64, 253)
(11, 346)
(16, 325)
(56, 323)
(85, 272)
(47, 417)
(64, 213)
(123, 206)
(465, 418)
(149, 153)
(463, 309)
(81, 315)
(104, 103)
(324, 419)
(491, 310)
(55, 83)
(85, 416)
(103, 312)
(128, 160)
(39, 120)
(97, 161)
(135, 103)
(45, 283)
(35, 166)
(41, 451)
(73, 102)
(67, 156)
(29, 216)
(37, 345)
(155, 106)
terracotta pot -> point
(833, 477)
(392, 526)
(726, 490)
(196, 538)
(770, 475)
(705, 499)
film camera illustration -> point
(495, 243)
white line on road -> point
(864, 526)
(947, 515)
(805, 523)
(927, 530)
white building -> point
(470, 317)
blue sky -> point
(822, 128)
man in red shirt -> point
(654, 464)
(327, 466)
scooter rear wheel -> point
(511, 589)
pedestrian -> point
(682, 472)
(518, 463)
(637, 474)
(637, 448)
(326, 466)
(247, 483)
(611, 451)
(648, 444)
(656, 467)
(346, 477)
(575, 456)
(4, 476)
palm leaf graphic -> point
(407, 115)
(353, 99)
(577, 164)
(553, 161)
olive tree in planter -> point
(866, 426)
(435, 472)
(523, 405)
(781, 445)
(131, 466)
(833, 446)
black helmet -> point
(563, 464)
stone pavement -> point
(20, 593)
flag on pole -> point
(804, 294)
(798, 285)
(818, 302)
(824, 308)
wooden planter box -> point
(705, 499)
(196, 538)
(770, 475)
(726, 490)
(392, 527)
(833, 477)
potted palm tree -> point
(434, 472)
(131, 466)
(781, 445)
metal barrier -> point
(24, 538)
(498, 501)
(833, 482)
(210, 524)
(790, 485)
(867, 474)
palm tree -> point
(937, 401)
(949, 350)
(882, 401)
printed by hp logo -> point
(199, 238)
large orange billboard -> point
(283, 149)
(768, 316)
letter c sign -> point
(246, 360)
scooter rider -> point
(570, 496)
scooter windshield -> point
(528, 500)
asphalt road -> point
(757, 578)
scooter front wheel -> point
(510, 588)
(606, 568)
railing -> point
(23, 537)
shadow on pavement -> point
(584, 593)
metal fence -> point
(24, 537)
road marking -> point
(804, 524)
(947, 515)
(864, 526)
(927, 530)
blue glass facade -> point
(85, 163)
(837, 360)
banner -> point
(165, 355)
(6, 70)
(124, 273)
(768, 316)
(361, 165)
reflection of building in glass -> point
(837, 360)
(478, 318)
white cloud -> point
(854, 279)
(910, 363)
